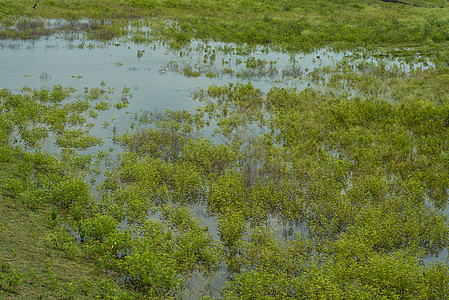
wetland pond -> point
(147, 80)
(156, 78)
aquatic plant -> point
(272, 24)
(358, 158)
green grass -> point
(287, 25)
(367, 174)
(38, 258)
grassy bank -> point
(38, 258)
(287, 25)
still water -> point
(152, 72)
(155, 85)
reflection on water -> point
(160, 79)
(86, 64)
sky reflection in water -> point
(47, 62)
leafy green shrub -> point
(186, 183)
(32, 137)
(103, 31)
(70, 191)
(98, 227)
(154, 272)
(210, 158)
(59, 93)
(136, 198)
(194, 246)
(150, 264)
(261, 284)
(231, 227)
(78, 139)
(6, 154)
(229, 190)
(13, 187)
(102, 106)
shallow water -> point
(81, 64)
(155, 86)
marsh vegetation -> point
(206, 164)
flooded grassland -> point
(191, 159)
(223, 171)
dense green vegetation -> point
(288, 25)
(40, 260)
(363, 174)
(358, 159)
